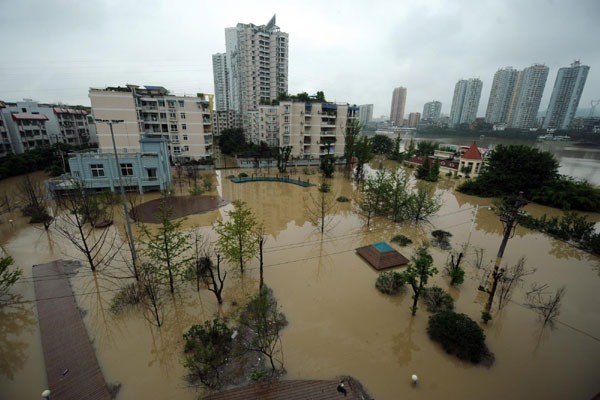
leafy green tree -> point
(351, 134)
(424, 170)
(237, 240)
(411, 150)
(399, 195)
(418, 273)
(422, 204)
(208, 348)
(364, 153)
(232, 141)
(282, 156)
(459, 335)
(328, 165)
(434, 173)
(390, 282)
(382, 144)
(8, 275)
(168, 247)
(303, 97)
(320, 98)
(426, 148)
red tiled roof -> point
(59, 110)
(473, 153)
(19, 116)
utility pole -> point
(509, 210)
(110, 123)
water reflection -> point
(16, 320)
(403, 344)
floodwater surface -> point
(339, 324)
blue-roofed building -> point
(144, 171)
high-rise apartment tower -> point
(465, 101)
(566, 94)
(221, 76)
(527, 95)
(432, 110)
(500, 95)
(398, 105)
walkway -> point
(272, 179)
(71, 366)
(287, 390)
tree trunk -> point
(241, 253)
(260, 245)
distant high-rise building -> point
(432, 110)
(365, 113)
(527, 95)
(257, 67)
(413, 119)
(500, 95)
(398, 105)
(221, 76)
(465, 101)
(565, 96)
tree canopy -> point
(382, 144)
(232, 141)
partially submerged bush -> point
(343, 199)
(401, 240)
(390, 282)
(437, 299)
(129, 295)
(441, 239)
(196, 191)
(243, 175)
(459, 335)
(230, 176)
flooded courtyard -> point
(339, 324)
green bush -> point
(196, 191)
(242, 175)
(129, 295)
(441, 239)
(459, 335)
(448, 173)
(343, 199)
(457, 275)
(401, 240)
(390, 282)
(437, 299)
(230, 176)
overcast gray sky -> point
(355, 51)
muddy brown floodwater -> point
(339, 324)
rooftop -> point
(473, 153)
(28, 116)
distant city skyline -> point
(92, 45)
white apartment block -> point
(566, 94)
(220, 77)
(365, 114)
(27, 124)
(257, 68)
(312, 129)
(500, 95)
(465, 101)
(185, 121)
(432, 110)
(527, 95)
(225, 120)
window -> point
(186, 148)
(176, 149)
(126, 169)
(173, 127)
(182, 115)
(97, 170)
(183, 127)
(181, 103)
(286, 119)
(161, 103)
(163, 115)
(171, 103)
(185, 137)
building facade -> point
(432, 111)
(566, 94)
(413, 119)
(465, 101)
(365, 114)
(147, 170)
(312, 129)
(398, 106)
(221, 82)
(500, 95)
(6, 146)
(257, 70)
(527, 95)
(184, 121)
(225, 120)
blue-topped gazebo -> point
(382, 256)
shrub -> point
(457, 275)
(196, 191)
(129, 295)
(242, 175)
(230, 176)
(307, 171)
(343, 199)
(448, 173)
(390, 282)
(440, 239)
(459, 335)
(437, 299)
(401, 240)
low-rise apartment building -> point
(184, 121)
(312, 129)
(225, 120)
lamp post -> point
(110, 123)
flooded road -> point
(339, 324)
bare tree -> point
(479, 262)
(547, 304)
(512, 277)
(5, 204)
(320, 209)
(152, 288)
(78, 215)
(262, 238)
(216, 282)
(179, 171)
(34, 204)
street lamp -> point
(110, 123)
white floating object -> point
(414, 378)
(234, 335)
(46, 393)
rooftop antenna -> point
(593, 104)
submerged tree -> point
(168, 247)
(351, 134)
(399, 195)
(34, 201)
(8, 276)
(423, 204)
(418, 272)
(547, 304)
(237, 240)
(151, 285)
(363, 149)
(511, 278)
(282, 155)
(327, 165)
(321, 207)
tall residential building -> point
(257, 67)
(185, 121)
(500, 95)
(527, 95)
(413, 119)
(465, 101)
(225, 120)
(29, 124)
(6, 146)
(312, 129)
(568, 87)
(432, 110)
(398, 105)
(221, 76)
(365, 114)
